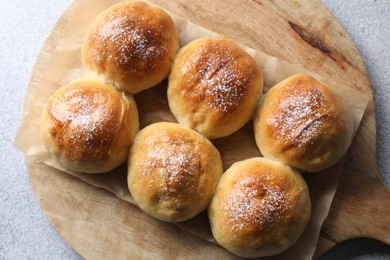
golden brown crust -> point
(132, 44)
(214, 86)
(89, 126)
(173, 171)
(260, 208)
(302, 123)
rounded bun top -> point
(89, 126)
(214, 86)
(173, 171)
(302, 123)
(131, 45)
(260, 208)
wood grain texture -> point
(106, 233)
(303, 32)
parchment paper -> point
(65, 65)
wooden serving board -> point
(303, 32)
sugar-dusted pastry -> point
(173, 171)
(214, 86)
(131, 45)
(302, 123)
(88, 126)
(260, 208)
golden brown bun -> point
(131, 45)
(300, 122)
(89, 126)
(214, 86)
(173, 171)
(260, 208)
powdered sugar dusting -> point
(256, 204)
(301, 113)
(223, 77)
(224, 91)
(84, 123)
(175, 162)
(130, 41)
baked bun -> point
(214, 86)
(131, 45)
(260, 208)
(89, 126)
(300, 122)
(173, 171)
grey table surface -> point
(25, 233)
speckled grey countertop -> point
(25, 233)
